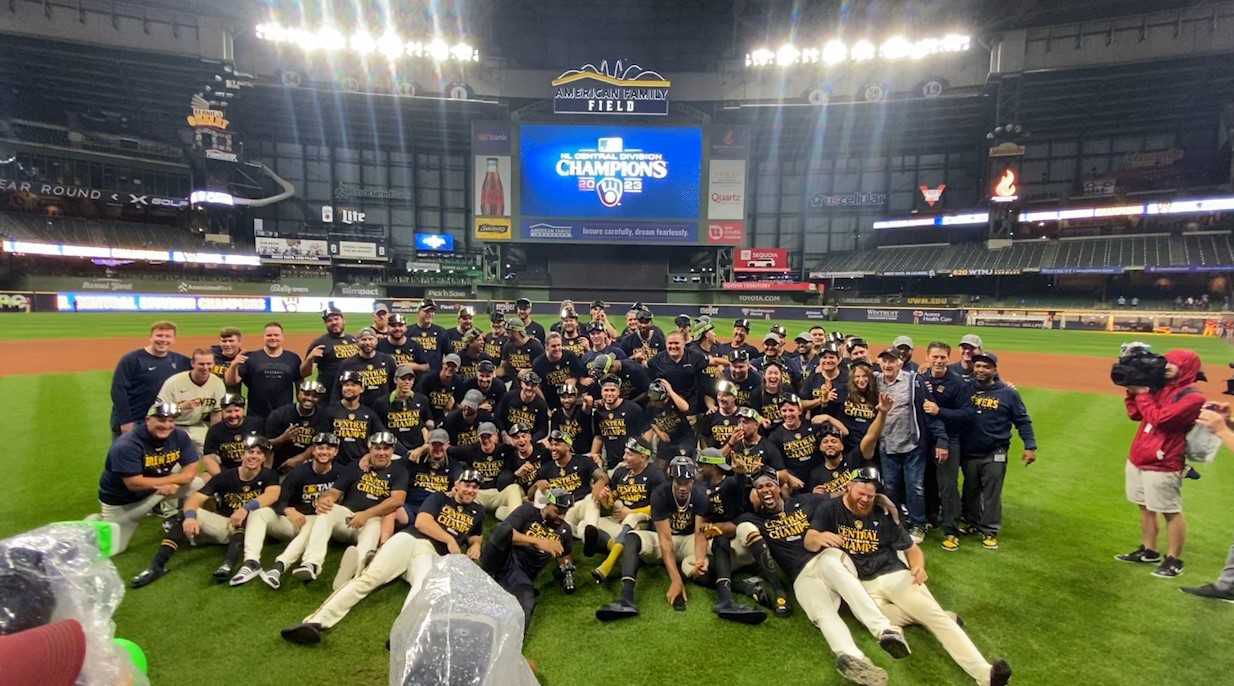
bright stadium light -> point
(834, 52)
(331, 39)
(895, 48)
(760, 57)
(863, 51)
(787, 55)
(924, 48)
(462, 52)
(363, 43)
(438, 50)
(390, 45)
(811, 56)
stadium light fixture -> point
(389, 44)
(835, 51)
(362, 43)
(331, 39)
(863, 51)
(895, 48)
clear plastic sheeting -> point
(57, 572)
(462, 629)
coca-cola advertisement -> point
(491, 169)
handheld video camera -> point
(1138, 365)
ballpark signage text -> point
(616, 89)
(761, 260)
(611, 171)
(823, 201)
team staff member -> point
(224, 352)
(291, 517)
(776, 390)
(445, 525)
(329, 349)
(376, 369)
(904, 346)
(947, 391)
(269, 374)
(196, 393)
(140, 374)
(739, 341)
(224, 444)
(291, 427)
(381, 319)
(683, 369)
(1216, 418)
(522, 307)
(773, 353)
(237, 493)
(430, 337)
(352, 509)
(614, 422)
(152, 463)
(969, 343)
(405, 412)
(350, 420)
(404, 349)
(988, 412)
(519, 548)
(781, 530)
(851, 530)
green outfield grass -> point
(1066, 342)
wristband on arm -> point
(252, 505)
(190, 514)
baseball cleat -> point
(917, 533)
(148, 576)
(306, 572)
(737, 612)
(590, 534)
(616, 610)
(754, 587)
(951, 543)
(989, 542)
(1209, 591)
(858, 670)
(272, 578)
(250, 570)
(306, 633)
(222, 573)
(892, 641)
(1000, 673)
(1140, 555)
(781, 606)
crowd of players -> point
(810, 471)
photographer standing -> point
(1155, 467)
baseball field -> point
(1052, 600)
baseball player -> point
(140, 374)
(236, 494)
(376, 369)
(741, 332)
(487, 383)
(599, 316)
(489, 460)
(522, 307)
(404, 349)
(602, 342)
(454, 337)
(836, 467)
(430, 337)
(572, 337)
(350, 420)
(352, 509)
(146, 466)
(329, 349)
(725, 493)
(573, 418)
(428, 472)
(229, 345)
(747, 383)
(614, 422)
(720, 423)
(682, 367)
(464, 421)
(631, 376)
(556, 367)
(292, 426)
(518, 549)
(864, 543)
(523, 459)
(405, 412)
(748, 451)
(196, 393)
(497, 336)
(645, 341)
(440, 386)
(521, 351)
(525, 407)
(446, 524)
(381, 319)
(471, 355)
(224, 442)
(773, 352)
(668, 421)
(568, 471)
(627, 495)
(822, 391)
(292, 515)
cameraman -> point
(1155, 466)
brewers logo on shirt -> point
(160, 463)
(985, 402)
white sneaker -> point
(272, 578)
(248, 571)
(347, 567)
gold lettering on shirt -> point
(375, 486)
(161, 462)
(787, 526)
(859, 540)
(454, 520)
(350, 428)
(985, 402)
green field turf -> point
(1065, 342)
(1052, 601)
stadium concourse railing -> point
(830, 316)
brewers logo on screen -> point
(610, 170)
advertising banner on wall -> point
(492, 179)
(783, 286)
(903, 315)
(14, 302)
(293, 250)
(357, 250)
(760, 260)
(137, 284)
(726, 189)
(616, 88)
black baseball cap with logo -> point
(522, 304)
(428, 305)
(739, 355)
(742, 323)
(330, 311)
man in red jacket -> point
(1155, 467)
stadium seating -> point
(75, 231)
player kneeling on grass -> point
(865, 543)
(291, 517)
(523, 545)
(445, 524)
(352, 509)
(153, 464)
(627, 495)
(236, 494)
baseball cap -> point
(714, 457)
(749, 413)
(438, 436)
(168, 410)
(779, 330)
(766, 473)
(986, 356)
(902, 341)
(868, 475)
(681, 320)
(972, 340)
(330, 311)
(428, 304)
(472, 399)
(469, 475)
(382, 438)
(517, 325)
(889, 352)
(404, 370)
(559, 497)
(453, 359)
(856, 342)
(260, 442)
(367, 332)
(350, 377)
(529, 376)
(516, 429)
(380, 307)
(397, 319)
(644, 315)
(831, 349)
(496, 317)
(739, 355)
(743, 323)
(638, 445)
(772, 336)
(599, 304)
(326, 438)
(311, 386)
(486, 366)
(230, 399)
(595, 326)
(522, 303)
(466, 311)
(487, 429)
(803, 337)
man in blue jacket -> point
(140, 374)
(947, 390)
(987, 413)
(907, 433)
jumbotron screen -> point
(610, 172)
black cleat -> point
(223, 573)
(616, 610)
(858, 670)
(679, 604)
(781, 606)
(1209, 591)
(566, 578)
(737, 612)
(590, 536)
(1000, 673)
(755, 588)
(303, 634)
(892, 641)
(1140, 555)
(148, 576)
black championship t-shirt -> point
(493, 394)
(680, 516)
(831, 481)
(615, 426)
(440, 394)
(230, 492)
(221, 363)
(518, 357)
(337, 349)
(785, 531)
(672, 422)
(489, 465)
(271, 381)
(532, 415)
(574, 477)
(528, 520)
(405, 418)
(431, 340)
(228, 441)
(715, 428)
(459, 520)
(770, 407)
(407, 352)
(873, 542)
(362, 490)
(856, 417)
(465, 434)
(302, 430)
(635, 489)
(425, 478)
(725, 500)
(749, 390)
(303, 486)
(683, 375)
(553, 374)
(353, 427)
(376, 374)
(748, 459)
(577, 424)
(798, 448)
(514, 461)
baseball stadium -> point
(512, 343)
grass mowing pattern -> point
(1052, 601)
